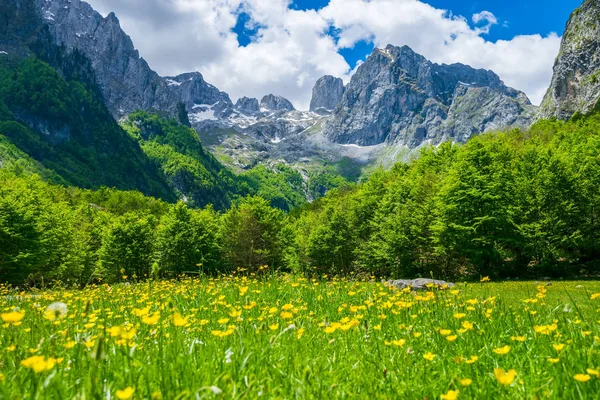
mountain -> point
(575, 85)
(51, 110)
(126, 81)
(276, 103)
(398, 96)
(327, 94)
(396, 102)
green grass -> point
(287, 337)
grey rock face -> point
(126, 81)
(575, 85)
(248, 105)
(419, 284)
(327, 94)
(195, 92)
(398, 96)
(275, 103)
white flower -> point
(56, 311)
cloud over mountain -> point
(290, 49)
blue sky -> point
(514, 18)
(256, 47)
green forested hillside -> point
(512, 204)
(67, 129)
(505, 204)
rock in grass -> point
(418, 284)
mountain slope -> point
(126, 81)
(398, 96)
(575, 85)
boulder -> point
(418, 284)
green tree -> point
(127, 248)
(251, 235)
(187, 240)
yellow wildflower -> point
(451, 395)
(502, 350)
(125, 394)
(505, 378)
(582, 377)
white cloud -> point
(291, 49)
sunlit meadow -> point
(288, 337)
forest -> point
(515, 204)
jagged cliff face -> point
(575, 85)
(398, 96)
(126, 81)
(327, 94)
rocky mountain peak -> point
(194, 91)
(575, 84)
(327, 94)
(248, 105)
(399, 96)
(126, 81)
(276, 103)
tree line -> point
(506, 204)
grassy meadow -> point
(288, 337)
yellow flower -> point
(243, 290)
(451, 395)
(178, 320)
(472, 360)
(1, 377)
(466, 381)
(467, 325)
(300, 333)
(70, 344)
(593, 372)
(125, 394)
(90, 343)
(114, 331)
(505, 378)
(429, 356)
(223, 321)
(485, 279)
(451, 338)
(274, 327)
(377, 327)
(287, 307)
(39, 363)
(518, 338)
(553, 360)
(235, 313)
(445, 332)
(558, 347)
(14, 317)
(151, 320)
(459, 315)
(595, 296)
(582, 377)
(12, 347)
(545, 329)
(502, 350)
(399, 343)
(286, 315)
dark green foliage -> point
(68, 130)
(188, 241)
(127, 248)
(191, 171)
(282, 186)
(251, 235)
(505, 204)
